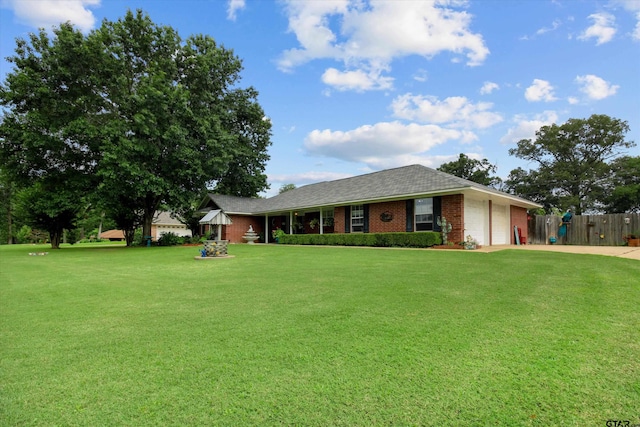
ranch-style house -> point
(406, 199)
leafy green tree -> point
(45, 208)
(49, 138)
(245, 121)
(571, 162)
(133, 116)
(286, 187)
(177, 118)
(528, 185)
(7, 202)
(623, 192)
(474, 170)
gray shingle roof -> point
(398, 183)
(165, 218)
(237, 205)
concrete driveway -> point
(618, 251)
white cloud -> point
(554, 26)
(421, 76)
(595, 87)
(488, 87)
(49, 13)
(525, 128)
(573, 100)
(457, 111)
(540, 90)
(307, 177)
(233, 7)
(356, 80)
(603, 28)
(367, 35)
(632, 6)
(379, 163)
(384, 143)
(309, 21)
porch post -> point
(321, 225)
(266, 228)
(290, 222)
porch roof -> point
(216, 217)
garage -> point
(476, 222)
(499, 224)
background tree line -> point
(579, 164)
(125, 120)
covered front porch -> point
(314, 221)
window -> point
(357, 218)
(424, 214)
(327, 218)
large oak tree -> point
(177, 118)
(571, 162)
(622, 194)
(479, 171)
(133, 115)
(50, 130)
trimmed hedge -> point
(385, 240)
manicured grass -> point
(317, 336)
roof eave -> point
(516, 200)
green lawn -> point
(317, 336)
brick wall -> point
(453, 211)
(234, 232)
(519, 218)
(338, 219)
(398, 211)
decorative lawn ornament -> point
(446, 228)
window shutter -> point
(365, 226)
(347, 219)
(437, 212)
(409, 215)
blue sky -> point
(354, 86)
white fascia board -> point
(515, 200)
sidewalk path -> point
(617, 251)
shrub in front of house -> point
(386, 240)
(169, 239)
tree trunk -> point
(147, 220)
(100, 227)
(55, 237)
(129, 235)
(9, 225)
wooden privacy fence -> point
(590, 230)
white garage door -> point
(500, 225)
(475, 220)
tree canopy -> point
(622, 193)
(474, 170)
(132, 115)
(286, 187)
(572, 162)
(49, 135)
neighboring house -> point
(163, 222)
(112, 235)
(406, 199)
